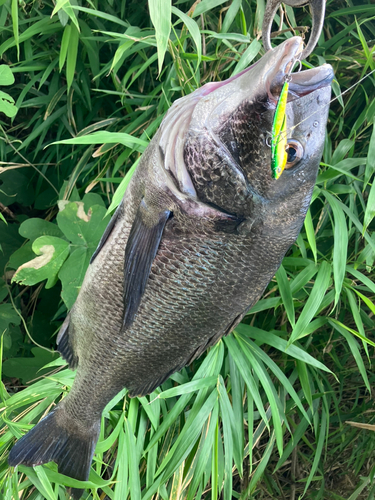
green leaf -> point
(341, 150)
(133, 460)
(269, 388)
(310, 233)
(7, 105)
(71, 58)
(366, 300)
(3, 290)
(206, 5)
(261, 466)
(120, 191)
(104, 137)
(362, 278)
(33, 228)
(22, 255)
(120, 52)
(160, 13)
(286, 293)
(370, 208)
(195, 385)
(64, 46)
(370, 162)
(8, 316)
(313, 302)
(82, 228)
(27, 369)
(6, 75)
(250, 53)
(354, 307)
(207, 445)
(122, 485)
(319, 448)
(14, 11)
(264, 304)
(239, 357)
(273, 340)
(52, 253)
(193, 28)
(227, 418)
(72, 273)
(280, 375)
(340, 326)
(304, 377)
(45, 484)
(297, 436)
(188, 436)
(340, 248)
(230, 15)
(68, 10)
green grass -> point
(264, 413)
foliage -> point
(263, 413)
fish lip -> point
(309, 80)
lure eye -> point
(294, 150)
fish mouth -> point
(301, 83)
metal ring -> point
(317, 8)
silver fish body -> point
(201, 231)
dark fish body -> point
(201, 231)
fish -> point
(201, 230)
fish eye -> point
(294, 151)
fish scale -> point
(202, 229)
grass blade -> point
(313, 302)
(14, 11)
(71, 58)
(286, 294)
(310, 234)
(370, 208)
(340, 248)
(354, 349)
(193, 28)
(160, 12)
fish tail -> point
(61, 439)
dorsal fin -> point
(107, 232)
(65, 344)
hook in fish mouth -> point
(301, 83)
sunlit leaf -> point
(160, 13)
(313, 302)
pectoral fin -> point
(141, 248)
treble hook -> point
(317, 8)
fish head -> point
(222, 136)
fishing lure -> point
(279, 155)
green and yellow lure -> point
(279, 155)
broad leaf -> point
(52, 253)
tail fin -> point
(70, 444)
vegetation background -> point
(283, 406)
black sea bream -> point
(202, 229)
